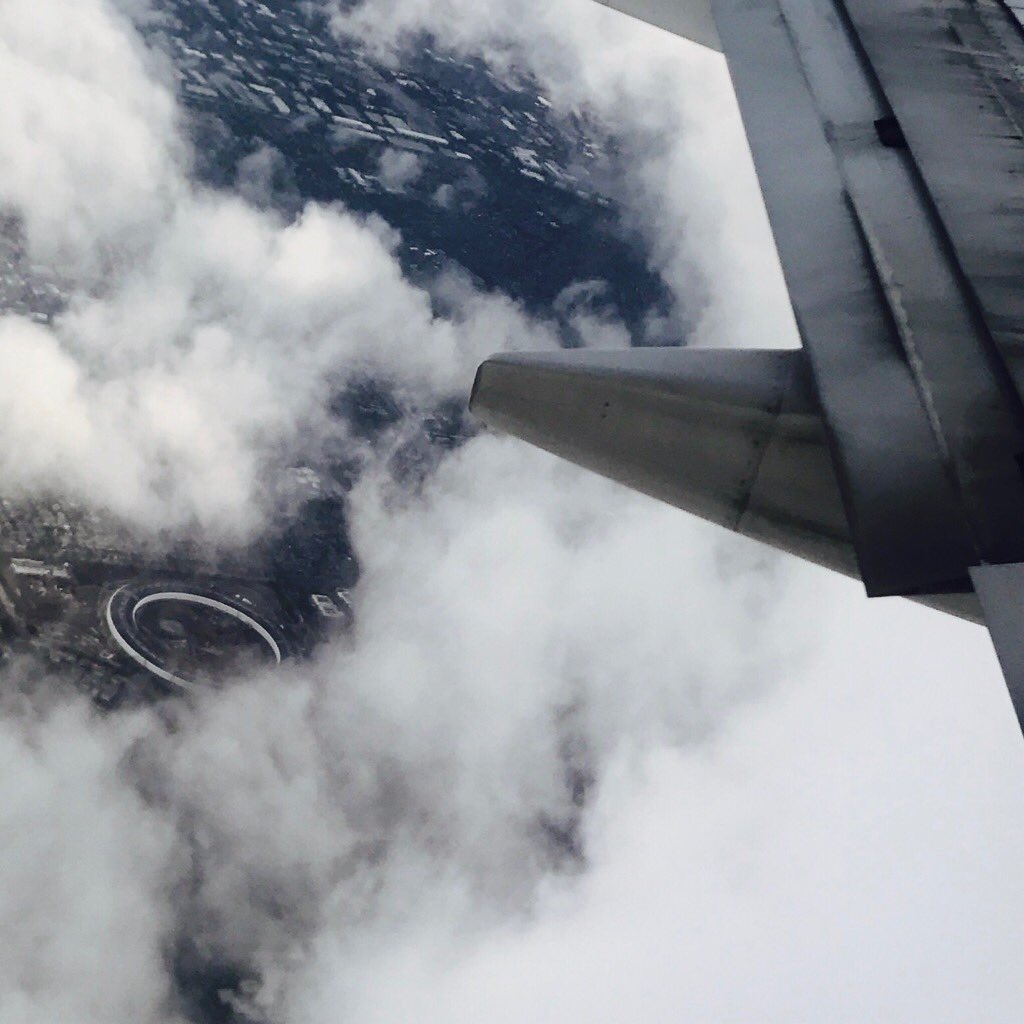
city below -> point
(478, 174)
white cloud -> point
(89, 152)
(420, 778)
(799, 806)
(204, 334)
(398, 169)
(83, 909)
(807, 807)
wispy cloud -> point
(688, 182)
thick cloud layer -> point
(90, 153)
(581, 757)
(204, 333)
(776, 825)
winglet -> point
(734, 437)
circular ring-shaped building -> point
(182, 632)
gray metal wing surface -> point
(887, 138)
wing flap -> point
(954, 75)
(827, 180)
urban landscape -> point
(479, 174)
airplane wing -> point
(888, 137)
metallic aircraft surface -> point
(887, 138)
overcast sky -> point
(800, 806)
